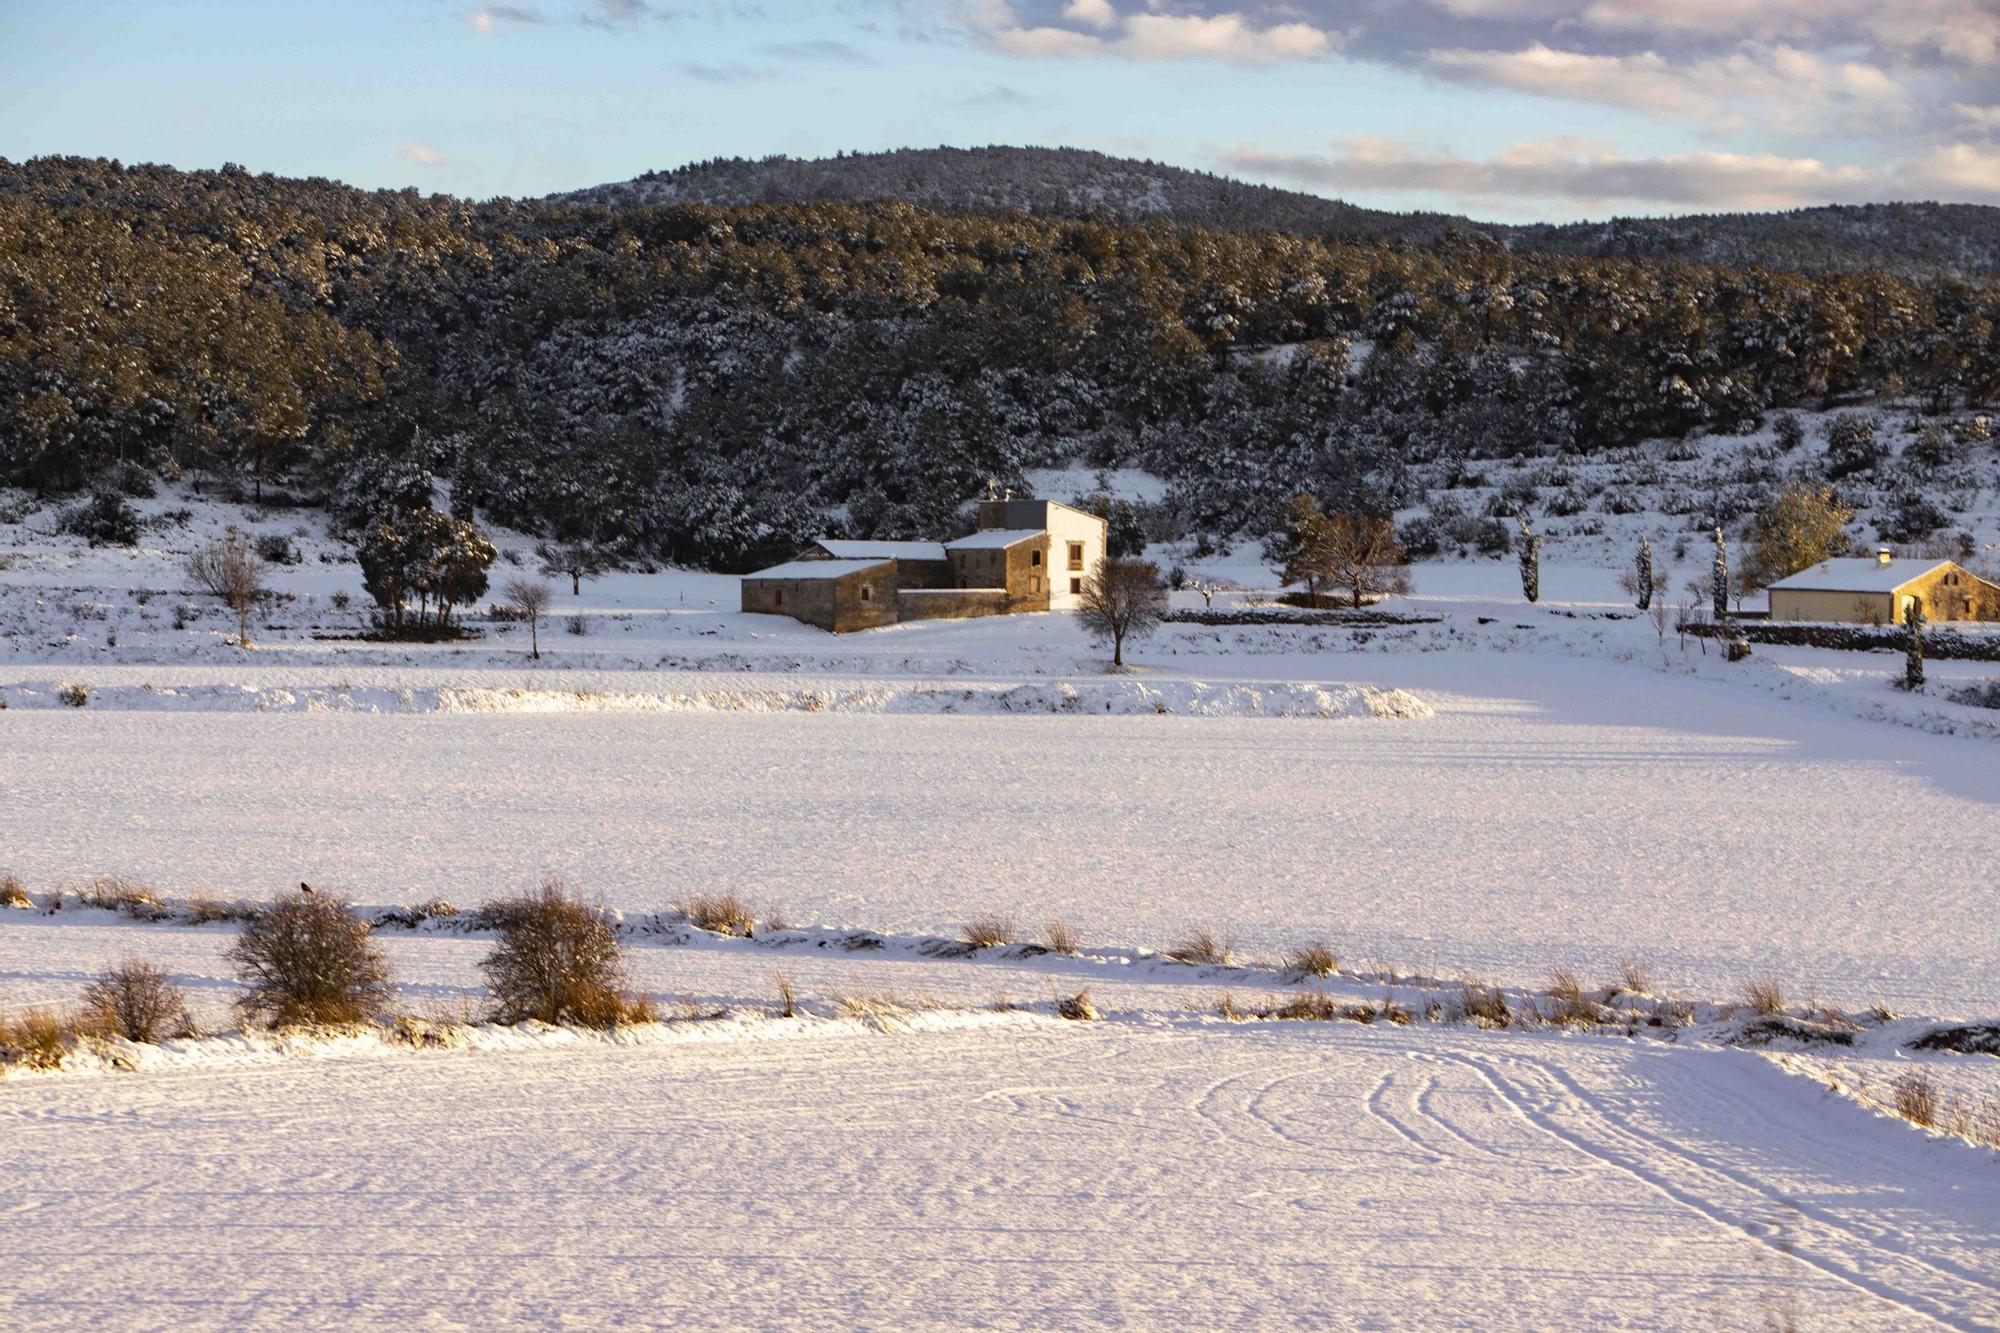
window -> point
(1035, 583)
(1035, 558)
(777, 597)
(867, 592)
(1075, 557)
(1075, 586)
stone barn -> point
(1878, 590)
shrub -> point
(1634, 978)
(13, 893)
(41, 1038)
(74, 694)
(1764, 997)
(276, 548)
(1311, 1007)
(558, 960)
(1571, 1005)
(103, 520)
(577, 625)
(137, 1001)
(232, 571)
(723, 913)
(1917, 1099)
(988, 932)
(1061, 937)
(308, 961)
(1199, 948)
(1314, 960)
(787, 997)
(1077, 1007)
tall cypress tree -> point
(1531, 562)
(1719, 578)
(1913, 660)
(1643, 569)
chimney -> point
(1882, 556)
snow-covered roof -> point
(816, 569)
(876, 550)
(1858, 575)
(995, 539)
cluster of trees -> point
(714, 385)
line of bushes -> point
(1281, 616)
(1939, 643)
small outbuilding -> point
(1878, 590)
(836, 595)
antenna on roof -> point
(992, 485)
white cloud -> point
(1959, 171)
(1097, 13)
(423, 155)
(1979, 117)
(1227, 37)
(1579, 171)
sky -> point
(1513, 110)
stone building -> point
(1878, 590)
(1027, 555)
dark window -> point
(867, 593)
(777, 597)
(1034, 557)
(1076, 585)
(1075, 557)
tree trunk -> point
(576, 583)
(535, 637)
(1357, 594)
(1118, 649)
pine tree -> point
(1719, 578)
(1644, 573)
(1913, 662)
(1531, 562)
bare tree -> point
(528, 598)
(1124, 599)
(232, 570)
(1209, 587)
(1363, 556)
(575, 560)
(307, 959)
(558, 960)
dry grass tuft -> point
(884, 1012)
(1882, 1013)
(774, 919)
(43, 1038)
(719, 913)
(1314, 960)
(13, 893)
(788, 999)
(1310, 1007)
(1484, 1005)
(991, 931)
(1226, 1007)
(137, 1001)
(209, 911)
(1917, 1099)
(1635, 978)
(1199, 948)
(1764, 996)
(1571, 1007)
(1061, 937)
(110, 893)
(1077, 1007)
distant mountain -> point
(1911, 239)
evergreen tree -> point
(1531, 562)
(1718, 579)
(1913, 659)
(1643, 573)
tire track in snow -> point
(1631, 1147)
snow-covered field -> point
(1491, 792)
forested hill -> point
(713, 385)
(1050, 182)
(1912, 239)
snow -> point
(1858, 575)
(1491, 789)
(881, 550)
(995, 539)
(818, 569)
(1004, 1172)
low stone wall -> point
(1939, 643)
(950, 603)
